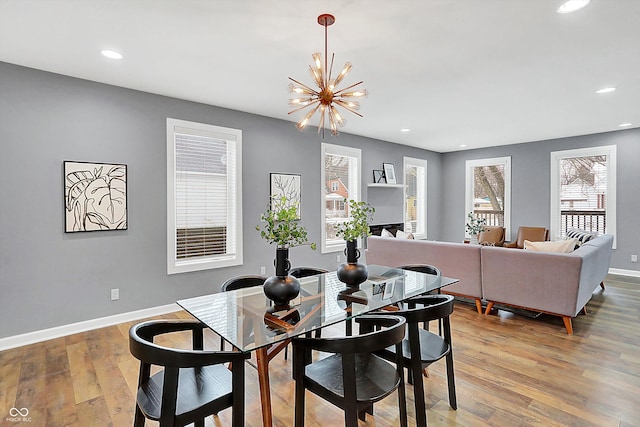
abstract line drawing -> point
(95, 196)
(286, 185)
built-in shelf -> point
(371, 184)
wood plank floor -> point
(510, 371)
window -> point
(488, 191)
(583, 191)
(415, 197)
(204, 196)
(340, 178)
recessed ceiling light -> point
(572, 5)
(606, 90)
(624, 125)
(463, 145)
(111, 54)
(405, 130)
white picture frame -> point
(389, 173)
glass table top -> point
(244, 317)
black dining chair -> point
(352, 378)
(240, 282)
(192, 385)
(421, 348)
(300, 272)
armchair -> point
(492, 235)
(533, 234)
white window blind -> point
(204, 229)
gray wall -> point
(49, 278)
(531, 183)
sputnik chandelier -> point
(327, 96)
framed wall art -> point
(95, 196)
(287, 185)
(389, 173)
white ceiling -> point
(475, 72)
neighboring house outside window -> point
(415, 197)
(204, 196)
(340, 178)
(583, 191)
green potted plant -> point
(361, 213)
(282, 228)
(474, 226)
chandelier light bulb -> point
(326, 95)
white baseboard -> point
(74, 328)
(621, 272)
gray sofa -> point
(553, 283)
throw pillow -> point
(581, 236)
(386, 233)
(560, 246)
(402, 235)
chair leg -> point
(139, 418)
(418, 396)
(451, 381)
(299, 400)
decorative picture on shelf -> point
(378, 176)
(287, 185)
(95, 196)
(389, 173)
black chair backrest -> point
(432, 307)
(143, 348)
(364, 343)
(422, 268)
(241, 282)
(300, 272)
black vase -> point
(352, 273)
(281, 288)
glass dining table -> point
(246, 319)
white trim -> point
(610, 152)
(354, 190)
(468, 198)
(621, 272)
(87, 325)
(422, 213)
(234, 197)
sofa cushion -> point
(560, 246)
(386, 233)
(402, 235)
(580, 235)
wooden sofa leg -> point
(602, 285)
(567, 324)
(584, 310)
(479, 306)
(489, 307)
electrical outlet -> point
(338, 258)
(115, 294)
(634, 258)
(263, 270)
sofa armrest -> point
(510, 245)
